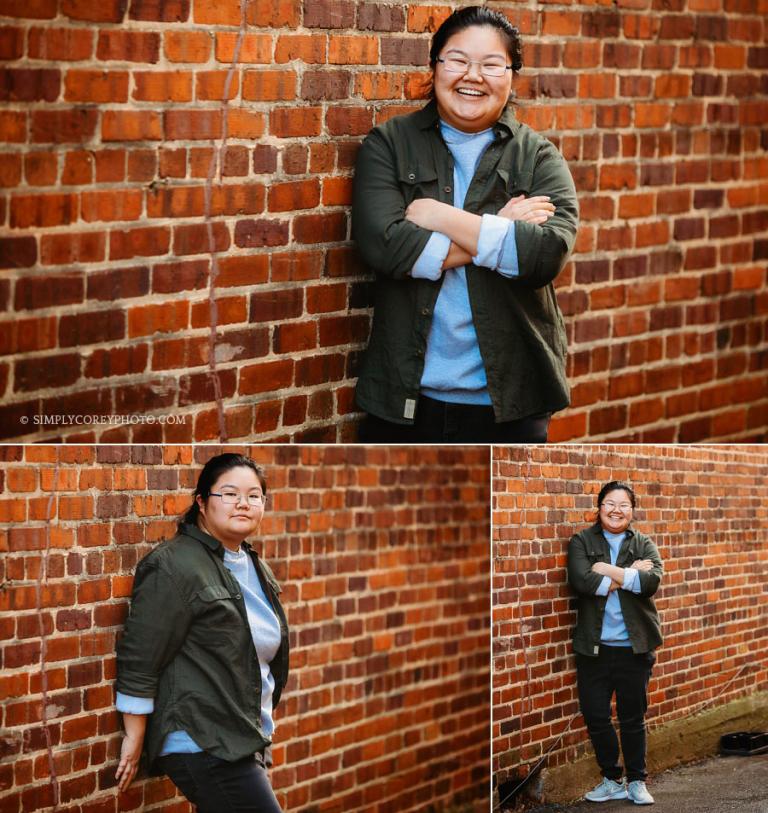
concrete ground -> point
(718, 785)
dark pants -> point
(217, 786)
(441, 422)
(616, 669)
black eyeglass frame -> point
(476, 62)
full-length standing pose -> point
(615, 571)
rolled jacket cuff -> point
(602, 589)
(493, 231)
(134, 705)
(429, 264)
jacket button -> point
(425, 311)
(447, 189)
(411, 176)
(419, 352)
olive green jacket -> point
(520, 329)
(639, 611)
(187, 644)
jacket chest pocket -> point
(216, 604)
(418, 182)
(594, 555)
(515, 183)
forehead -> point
(480, 40)
(241, 476)
(617, 495)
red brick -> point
(117, 361)
(109, 11)
(276, 305)
(50, 371)
(211, 85)
(294, 195)
(348, 120)
(96, 86)
(128, 46)
(320, 228)
(63, 126)
(111, 205)
(29, 85)
(217, 12)
(265, 377)
(186, 46)
(163, 11)
(119, 283)
(26, 335)
(46, 291)
(259, 233)
(131, 125)
(309, 48)
(148, 319)
(162, 86)
(196, 240)
(91, 328)
(43, 210)
(33, 9)
(269, 86)
(192, 124)
(40, 169)
(60, 44)
(17, 252)
(140, 242)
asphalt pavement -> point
(718, 785)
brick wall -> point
(175, 225)
(707, 510)
(383, 557)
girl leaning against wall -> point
(203, 658)
(467, 216)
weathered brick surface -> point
(113, 120)
(704, 507)
(383, 558)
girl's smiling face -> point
(616, 511)
(471, 101)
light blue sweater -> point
(614, 632)
(453, 368)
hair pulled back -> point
(212, 470)
(478, 15)
(612, 486)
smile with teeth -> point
(470, 92)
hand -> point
(614, 585)
(425, 213)
(130, 751)
(536, 210)
(642, 564)
(601, 568)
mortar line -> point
(216, 159)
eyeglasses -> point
(457, 64)
(233, 497)
(622, 506)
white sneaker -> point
(607, 790)
(638, 793)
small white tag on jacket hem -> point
(410, 408)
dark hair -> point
(478, 15)
(212, 470)
(612, 486)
